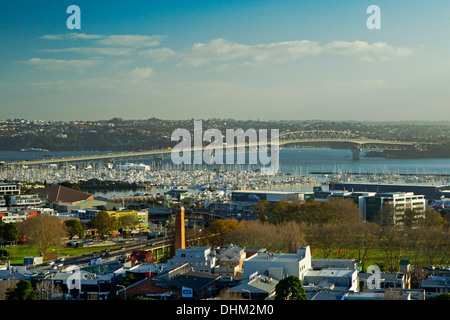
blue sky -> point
(228, 59)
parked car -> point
(50, 263)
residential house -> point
(230, 262)
(435, 285)
(258, 287)
(198, 258)
(178, 283)
(279, 265)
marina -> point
(300, 170)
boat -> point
(440, 205)
(34, 149)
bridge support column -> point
(158, 162)
(355, 153)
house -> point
(397, 280)
(230, 261)
(77, 284)
(279, 265)
(331, 280)
(387, 294)
(141, 256)
(257, 287)
(198, 258)
(178, 283)
(147, 270)
(434, 285)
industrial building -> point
(253, 196)
(430, 192)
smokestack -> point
(180, 240)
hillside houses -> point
(216, 273)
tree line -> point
(334, 229)
(45, 231)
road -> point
(108, 254)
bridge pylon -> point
(356, 153)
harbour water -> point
(300, 168)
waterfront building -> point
(9, 188)
(430, 192)
(380, 207)
(390, 208)
(253, 196)
(25, 200)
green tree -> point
(127, 221)
(43, 231)
(74, 228)
(290, 288)
(10, 232)
(262, 209)
(103, 222)
(23, 291)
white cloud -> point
(57, 65)
(280, 52)
(131, 40)
(108, 51)
(127, 40)
(159, 54)
(71, 36)
(368, 52)
(225, 50)
(138, 74)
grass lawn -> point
(17, 253)
(375, 257)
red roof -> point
(57, 193)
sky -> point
(266, 60)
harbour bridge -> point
(316, 138)
(346, 140)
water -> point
(298, 161)
(341, 160)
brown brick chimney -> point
(180, 240)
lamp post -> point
(249, 293)
(125, 289)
